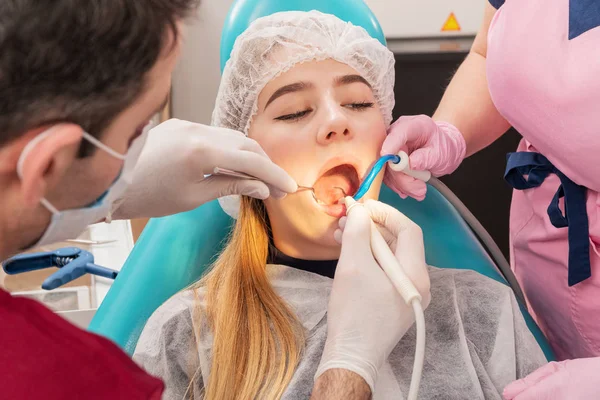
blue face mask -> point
(68, 224)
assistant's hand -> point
(366, 316)
(568, 380)
(169, 176)
(432, 146)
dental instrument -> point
(71, 261)
(91, 242)
(241, 175)
(395, 272)
(400, 163)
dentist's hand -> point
(169, 176)
(366, 316)
(432, 146)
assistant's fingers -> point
(411, 131)
(522, 385)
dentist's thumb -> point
(356, 237)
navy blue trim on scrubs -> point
(583, 16)
(496, 3)
(526, 170)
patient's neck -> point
(296, 246)
(320, 267)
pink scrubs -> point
(548, 87)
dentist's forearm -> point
(340, 384)
(467, 103)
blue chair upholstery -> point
(174, 251)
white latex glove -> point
(366, 316)
(169, 176)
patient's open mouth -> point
(334, 185)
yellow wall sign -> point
(451, 24)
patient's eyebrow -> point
(348, 79)
(291, 88)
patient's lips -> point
(334, 185)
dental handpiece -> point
(387, 260)
(241, 175)
(395, 272)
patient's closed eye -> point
(360, 106)
(294, 116)
(298, 115)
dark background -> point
(420, 83)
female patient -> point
(317, 94)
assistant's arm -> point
(467, 103)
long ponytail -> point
(258, 340)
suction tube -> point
(375, 170)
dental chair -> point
(174, 252)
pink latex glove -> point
(570, 379)
(432, 146)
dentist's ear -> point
(40, 158)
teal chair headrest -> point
(244, 12)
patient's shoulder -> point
(177, 307)
(173, 319)
(167, 347)
(478, 298)
(468, 282)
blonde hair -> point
(258, 340)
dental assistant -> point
(76, 148)
(534, 65)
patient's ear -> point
(47, 155)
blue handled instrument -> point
(71, 261)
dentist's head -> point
(79, 82)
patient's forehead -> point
(318, 72)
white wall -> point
(196, 77)
(425, 18)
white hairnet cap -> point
(274, 44)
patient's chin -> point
(299, 224)
(324, 241)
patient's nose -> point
(335, 126)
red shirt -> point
(43, 356)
